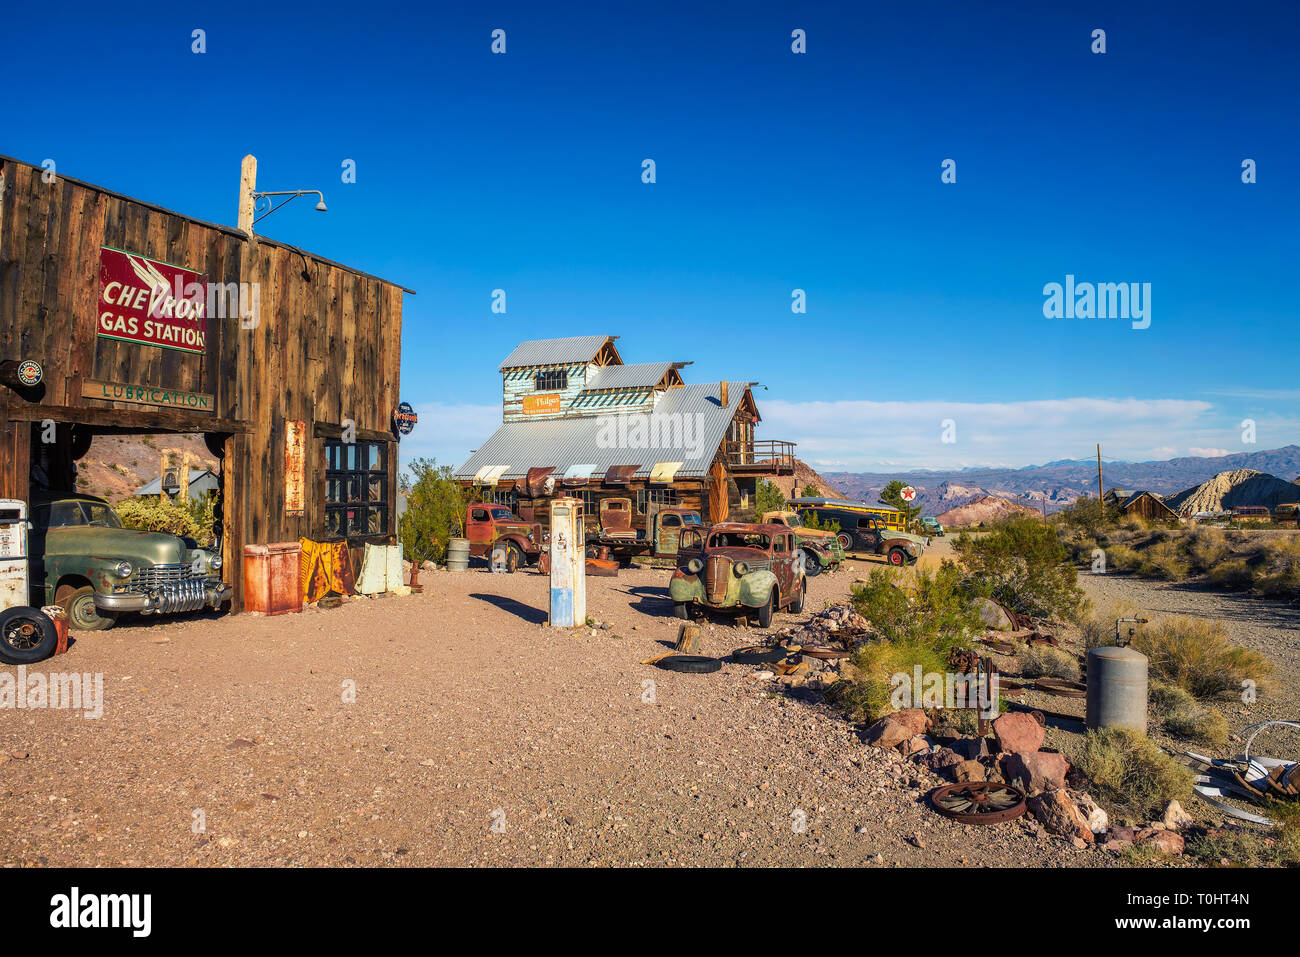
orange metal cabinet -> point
(273, 578)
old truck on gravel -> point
(740, 567)
(871, 535)
(821, 549)
(83, 559)
(494, 530)
(661, 535)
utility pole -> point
(247, 186)
(1100, 493)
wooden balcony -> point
(764, 457)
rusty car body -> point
(495, 528)
(740, 566)
(83, 559)
(661, 536)
(821, 548)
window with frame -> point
(356, 488)
(551, 380)
(508, 497)
(655, 496)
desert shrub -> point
(1130, 775)
(1197, 656)
(1165, 560)
(1179, 714)
(1207, 548)
(1279, 846)
(1023, 564)
(1235, 574)
(767, 498)
(1122, 558)
(920, 625)
(435, 511)
(1044, 661)
(156, 514)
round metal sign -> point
(907, 493)
(30, 373)
(405, 418)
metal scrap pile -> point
(837, 627)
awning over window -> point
(578, 474)
(489, 475)
(620, 474)
(663, 472)
(539, 481)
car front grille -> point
(716, 575)
(176, 587)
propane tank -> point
(1117, 689)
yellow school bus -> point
(836, 509)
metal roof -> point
(155, 487)
(688, 426)
(642, 375)
(553, 352)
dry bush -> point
(1130, 775)
(1234, 574)
(1165, 560)
(1122, 558)
(1044, 661)
(1207, 548)
(1197, 656)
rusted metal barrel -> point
(457, 554)
(1117, 689)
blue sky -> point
(775, 171)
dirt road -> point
(468, 713)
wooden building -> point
(576, 419)
(1149, 506)
(144, 320)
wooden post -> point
(247, 186)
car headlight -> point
(741, 568)
(215, 563)
(694, 566)
(123, 569)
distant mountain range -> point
(1054, 485)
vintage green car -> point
(741, 567)
(83, 559)
(820, 548)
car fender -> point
(685, 588)
(755, 587)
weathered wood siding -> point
(326, 348)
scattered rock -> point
(1058, 813)
(915, 745)
(968, 770)
(971, 747)
(1018, 732)
(1166, 842)
(1098, 819)
(1032, 773)
(893, 729)
(1175, 818)
(992, 615)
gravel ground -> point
(478, 736)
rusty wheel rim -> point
(979, 802)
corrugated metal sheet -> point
(642, 375)
(547, 352)
(692, 412)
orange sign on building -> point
(541, 404)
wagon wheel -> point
(979, 802)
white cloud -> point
(1208, 453)
(868, 435)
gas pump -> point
(568, 564)
(27, 635)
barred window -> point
(655, 496)
(551, 380)
(356, 488)
(507, 497)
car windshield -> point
(690, 518)
(739, 540)
(794, 521)
(99, 514)
(501, 513)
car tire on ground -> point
(82, 613)
(682, 610)
(897, 557)
(845, 540)
(766, 612)
(690, 664)
(26, 636)
(801, 596)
